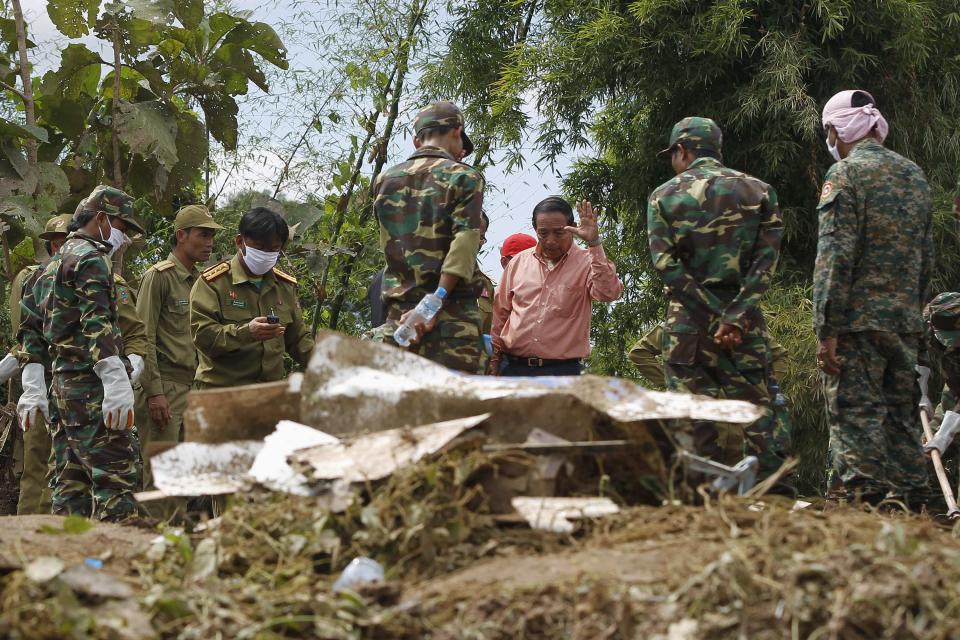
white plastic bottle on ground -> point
(423, 312)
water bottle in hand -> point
(423, 312)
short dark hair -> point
(699, 153)
(263, 225)
(431, 132)
(554, 204)
(862, 99)
(48, 246)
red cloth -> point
(517, 243)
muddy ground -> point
(724, 570)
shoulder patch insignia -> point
(216, 271)
(163, 265)
(827, 189)
(284, 276)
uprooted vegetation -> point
(728, 569)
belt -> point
(535, 362)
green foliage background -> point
(610, 79)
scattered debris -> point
(555, 514)
(741, 476)
(361, 571)
(195, 469)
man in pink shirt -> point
(542, 309)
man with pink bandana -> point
(874, 257)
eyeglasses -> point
(543, 234)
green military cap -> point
(698, 134)
(113, 202)
(195, 215)
(56, 226)
(443, 114)
(943, 316)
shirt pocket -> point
(235, 314)
(564, 300)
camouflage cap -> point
(443, 114)
(701, 134)
(56, 226)
(195, 216)
(113, 202)
(943, 316)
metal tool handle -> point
(945, 487)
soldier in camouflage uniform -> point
(715, 238)
(942, 353)
(429, 210)
(874, 256)
(71, 316)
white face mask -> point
(118, 239)
(259, 262)
(832, 148)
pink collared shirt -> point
(545, 313)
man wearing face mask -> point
(244, 312)
(70, 316)
(874, 259)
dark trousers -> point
(520, 368)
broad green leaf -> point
(261, 39)
(73, 18)
(14, 162)
(149, 129)
(220, 113)
(141, 33)
(12, 129)
(19, 208)
(306, 215)
(52, 182)
(130, 84)
(79, 72)
(170, 47)
(8, 31)
(156, 11)
(231, 60)
(220, 24)
(188, 12)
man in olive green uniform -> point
(429, 209)
(234, 303)
(164, 307)
(34, 492)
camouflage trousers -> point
(34, 487)
(456, 342)
(874, 420)
(96, 470)
(692, 363)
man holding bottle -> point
(430, 213)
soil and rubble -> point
(430, 500)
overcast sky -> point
(509, 199)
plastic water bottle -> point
(423, 312)
(779, 399)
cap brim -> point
(205, 225)
(949, 339)
(467, 143)
(50, 235)
(135, 224)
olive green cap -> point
(56, 226)
(700, 134)
(195, 216)
(443, 114)
(113, 202)
(943, 316)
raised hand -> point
(587, 231)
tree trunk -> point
(25, 73)
(403, 61)
(115, 111)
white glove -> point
(33, 400)
(137, 363)
(949, 427)
(8, 366)
(117, 393)
(925, 403)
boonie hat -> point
(56, 226)
(195, 216)
(943, 316)
(443, 114)
(113, 202)
(701, 134)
